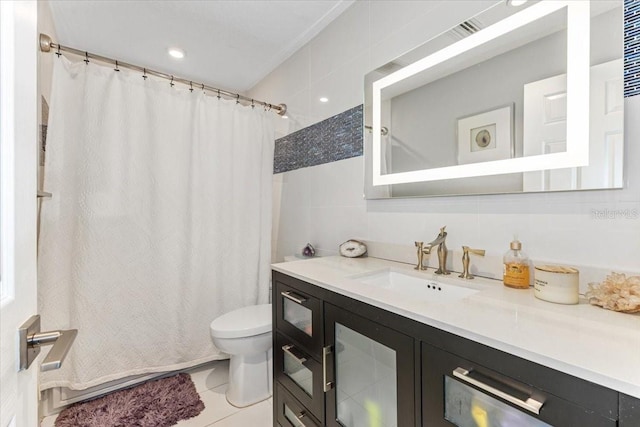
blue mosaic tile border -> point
(631, 48)
(336, 138)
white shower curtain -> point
(159, 221)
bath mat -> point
(158, 403)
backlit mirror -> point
(512, 100)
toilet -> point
(245, 335)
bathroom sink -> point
(413, 286)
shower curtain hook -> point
(171, 82)
(116, 69)
(58, 52)
(191, 87)
(86, 58)
(144, 73)
(237, 98)
(203, 91)
(252, 104)
(218, 94)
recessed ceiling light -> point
(516, 3)
(176, 53)
(324, 99)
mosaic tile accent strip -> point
(336, 138)
(631, 48)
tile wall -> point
(324, 204)
(632, 47)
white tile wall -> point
(324, 204)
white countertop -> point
(588, 342)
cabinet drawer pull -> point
(291, 351)
(326, 352)
(293, 297)
(530, 404)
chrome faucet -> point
(425, 249)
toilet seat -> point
(243, 322)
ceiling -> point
(231, 44)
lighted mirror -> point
(511, 100)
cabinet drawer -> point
(290, 412)
(299, 316)
(300, 374)
(457, 391)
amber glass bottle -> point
(516, 267)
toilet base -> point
(250, 378)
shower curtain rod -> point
(46, 44)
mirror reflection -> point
(505, 100)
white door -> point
(545, 128)
(545, 131)
(18, 142)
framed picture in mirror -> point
(486, 136)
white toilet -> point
(245, 335)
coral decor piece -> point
(158, 403)
(617, 292)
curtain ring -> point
(116, 69)
(144, 73)
(191, 87)
(171, 82)
(86, 58)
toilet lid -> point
(243, 322)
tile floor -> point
(210, 381)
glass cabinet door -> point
(299, 316)
(371, 380)
(291, 413)
(300, 374)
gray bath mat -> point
(158, 403)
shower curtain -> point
(159, 222)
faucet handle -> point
(466, 260)
(420, 253)
(479, 252)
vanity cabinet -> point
(338, 360)
(362, 365)
(629, 411)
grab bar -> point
(31, 339)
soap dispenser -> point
(516, 267)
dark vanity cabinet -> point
(342, 362)
(337, 362)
